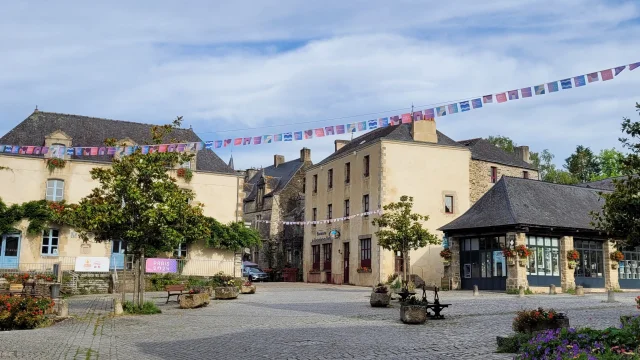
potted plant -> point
(616, 257)
(413, 311)
(380, 296)
(227, 291)
(510, 255)
(186, 174)
(364, 269)
(446, 255)
(248, 288)
(45, 278)
(573, 256)
(530, 321)
(523, 253)
(197, 297)
(55, 163)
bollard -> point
(475, 290)
(63, 308)
(521, 292)
(579, 290)
(117, 306)
(611, 296)
(552, 289)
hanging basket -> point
(523, 262)
(511, 261)
(571, 264)
(614, 266)
(446, 263)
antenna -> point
(412, 120)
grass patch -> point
(511, 344)
(148, 308)
(527, 291)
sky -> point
(249, 68)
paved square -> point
(297, 321)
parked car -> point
(255, 274)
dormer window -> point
(260, 194)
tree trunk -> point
(141, 279)
(404, 267)
(136, 283)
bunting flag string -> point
(318, 222)
(444, 109)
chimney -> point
(522, 153)
(305, 155)
(277, 160)
(340, 143)
(249, 173)
(424, 130)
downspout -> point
(380, 185)
(235, 255)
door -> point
(117, 254)
(346, 263)
(482, 263)
(9, 251)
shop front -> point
(482, 263)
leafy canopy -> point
(620, 215)
(401, 229)
(583, 164)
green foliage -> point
(401, 229)
(610, 164)
(527, 291)
(525, 319)
(234, 236)
(147, 308)
(503, 142)
(17, 313)
(583, 164)
(620, 215)
(159, 281)
(512, 344)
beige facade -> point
(425, 170)
(26, 178)
(481, 180)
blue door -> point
(9, 249)
(117, 254)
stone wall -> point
(611, 274)
(516, 274)
(452, 272)
(86, 283)
(567, 276)
(480, 176)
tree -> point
(620, 215)
(549, 172)
(610, 161)
(139, 202)
(401, 230)
(583, 164)
(508, 145)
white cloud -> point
(223, 66)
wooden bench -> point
(174, 290)
(436, 306)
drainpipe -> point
(380, 185)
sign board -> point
(92, 264)
(154, 265)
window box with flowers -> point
(616, 257)
(55, 163)
(446, 255)
(186, 174)
(523, 253)
(364, 270)
(572, 256)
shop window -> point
(544, 258)
(591, 258)
(629, 266)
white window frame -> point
(180, 250)
(54, 185)
(59, 154)
(51, 249)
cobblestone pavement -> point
(297, 321)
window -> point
(543, 260)
(591, 259)
(346, 207)
(365, 253)
(50, 242)
(315, 183)
(448, 204)
(366, 165)
(55, 190)
(482, 257)
(330, 178)
(58, 150)
(629, 266)
(326, 249)
(304, 187)
(329, 211)
(315, 251)
(257, 222)
(494, 174)
(365, 203)
(186, 165)
(314, 215)
(260, 197)
(525, 174)
(181, 251)
(347, 173)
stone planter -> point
(557, 324)
(226, 292)
(413, 314)
(251, 289)
(380, 299)
(193, 301)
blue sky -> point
(249, 64)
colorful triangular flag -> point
(277, 137)
(372, 124)
(429, 113)
(383, 122)
(227, 142)
(394, 120)
(406, 118)
(257, 140)
(246, 141)
(308, 134)
(417, 115)
(237, 141)
(297, 135)
(352, 127)
(634, 66)
(619, 69)
(526, 92)
(319, 132)
(287, 136)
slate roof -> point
(91, 131)
(399, 133)
(276, 178)
(605, 184)
(483, 150)
(516, 201)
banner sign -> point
(92, 264)
(162, 266)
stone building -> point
(549, 219)
(27, 178)
(489, 163)
(275, 194)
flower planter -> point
(614, 266)
(547, 325)
(446, 263)
(194, 301)
(380, 299)
(523, 262)
(413, 314)
(226, 292)
(364, 270)
(511, 261)
(248, 289)
(571, 264)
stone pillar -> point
(453, 271)
(516, 274)
(567, 276)
(610, 274)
